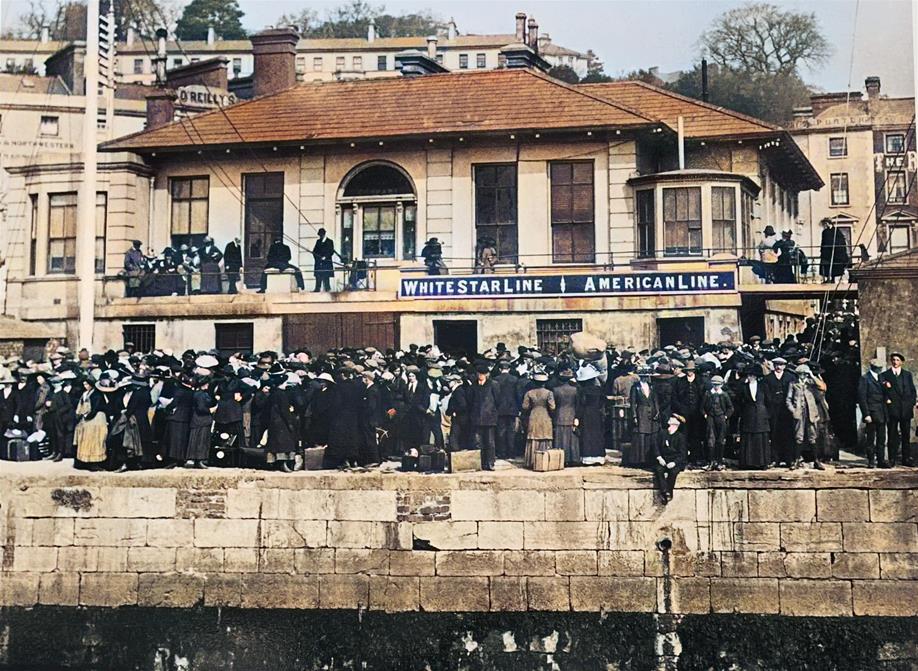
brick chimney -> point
(533, 35)
(432, 47)
(45, 34)
(274, 52)
(160, 107)
(521, 27)
(872, 84)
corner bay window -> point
(646, 223)
(495, 209)
(723, 219)
(572, 225)
(189, 209)
(682, 221)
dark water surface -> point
(206, 639)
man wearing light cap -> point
(871, 399)
(803, 403)
(900, 405)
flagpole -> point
(86, 203)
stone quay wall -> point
(588, 540)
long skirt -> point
(755, 450)
(198, 443)
(639, 452)
(534, 445)
(176, 439)
(90, 439)
(566, 439)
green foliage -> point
(597, 78)
(565, 73)
(352, 19)
(223, 15)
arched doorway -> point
(377, 211)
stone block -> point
(169, 590)
(223, 590)
(771, 565)
(745, 595)
(811, 536)
(745, 536)
(279, 282)
(857, 565)
(782, 505)
(362, 561)
(363, 505)
(78, 559)
(175, 533)
(108, 589)
(37, 559)
(502, 506)
(409, 563)
(50, 531)
(275, 560)
(470, 563)
(59, 589)
(19, 589)
(894, 505)
(880, 537)
(565, 505)
(344, 591)
(565, 535)
(508, 594)
(721, 505)
(739, 564)
(110, 532)
(529, 562)
(151, 560)
(893, 598)
(643, 506)
(448, 594)
(19, 530)
(112, 560)
(280, 591)
(394, 594)
(243, 503)
(899, 566)
(680, 563)
(141, 502)
(240, 560)
(314, 561)
(210, 533)
(447, 535)
(685, 596)
(576, 562)
(820, 598)
(808, 564)
(842, 505)
(605, 504)
(199, 560)
(624, 595)
(293, 533)
(548, 594)
(57, 502)
(500, 535)
(391, 535)
(621, 563)
(683, 535)
(707, 564)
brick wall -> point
(834, 544)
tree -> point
(352, 19)
(761, 38)
(224, 16)
(348, 20)
(771, 97)
(304, 20)
(409, 25)
(145, 16)
(565, 73)
(598, 77)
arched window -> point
(378, 213)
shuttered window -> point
(572, 225)
(682, 221)
(495, 209)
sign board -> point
(576, 285)
(197, 95)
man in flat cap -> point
(899, 387)
(485, 402)
(871, 398)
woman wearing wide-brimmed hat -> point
(92, 427)
(565, 438)
(590, 404)
(539, 402)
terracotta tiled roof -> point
(490, 101)
(702, 120)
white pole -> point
(915, 53)
(680, 126)
(86, 203)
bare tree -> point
(761, 38)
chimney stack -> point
(432, 47)
(414, 63)
(451, 30)
(159, 63)
(45, 34)
(521, 27)
(160, 108)
(274, 52)
(523, 56)
(533, 36)
(872, 84)
(211, 35)
(129, 39)
(371, 31)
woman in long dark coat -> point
(62, 420)
(589, 406)
(565, 413)
(645, 408)
(178, 420)
(755, 444)
(202, 407)
(344, 436)
(283, 439)
(320, 407)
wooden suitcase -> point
(312, 458)
(548, 460)
(464, 461)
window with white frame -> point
(317, 63)
(62, 231)
(896, 187)
(357, 63)
(49, 126)
(481, 61)
(898, 238)
(839, 188)
(894, 143)
(723, 219)
(339, 63)
(382, 62)
(838, 147)
(190, 204)
(463, 61)
(682, 221)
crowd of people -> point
(755, 405)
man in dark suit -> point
(373, 417)
(900, 405)
(279, 258)
(232, 263)
(484, 414)
(872, 401)
(782, 422)
(508, 410)
(323, 268)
